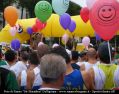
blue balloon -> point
(15, 44)
(98, 38)
(60, 6)
(65, 20)
(72, 26)
(29, 31)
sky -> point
(82, 3)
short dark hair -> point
(103, 52)
(24, 55)
(59, 50)
(75, 55)
(33, 58)
(10, 55)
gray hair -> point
(52, 66)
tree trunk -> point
(3, 21)
(22, 10)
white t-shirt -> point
(37, 80)
(87, 65)
(18, 68)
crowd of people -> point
(57, 68)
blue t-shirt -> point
(73, 81)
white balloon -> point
(90, 3)
(60, 6)
(81, 3)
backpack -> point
(3, 78)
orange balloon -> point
(11, 15)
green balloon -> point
(43, 10)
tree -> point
(30, 5)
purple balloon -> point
(98, 38)
(72, 26)
(65, 20)
(29, 31)
(15, 44)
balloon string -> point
(59, 40)
(115, 43)
(65, 41)
(109, 51)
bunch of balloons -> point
(67, 23)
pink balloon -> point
(13, 31)
(65, 38)
(40, 43)
(86, 41)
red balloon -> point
(104, 17)
(84, 13)
(34, 28)
(40, 25)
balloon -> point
(13, 31)
(15, 44)
(86, 41)
(97, 37)
(84, 14)
(43, 10)
(90, 3)
(72, 26)
(65, 38)
(55, 45)
(40, 25)
(29, 31)
(40, 43)
(65, 20)
(11, 15)
(60, 6)
(34, 28)
(104, 17)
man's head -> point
(33, 58)
(24, 56)
(62, 52)
(83, 55)
(42, 50)
(52, 69)
(91, 53)
(103, 53)
(75, 55)
(10, 56)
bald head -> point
(91, 53)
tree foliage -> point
(30, 4)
